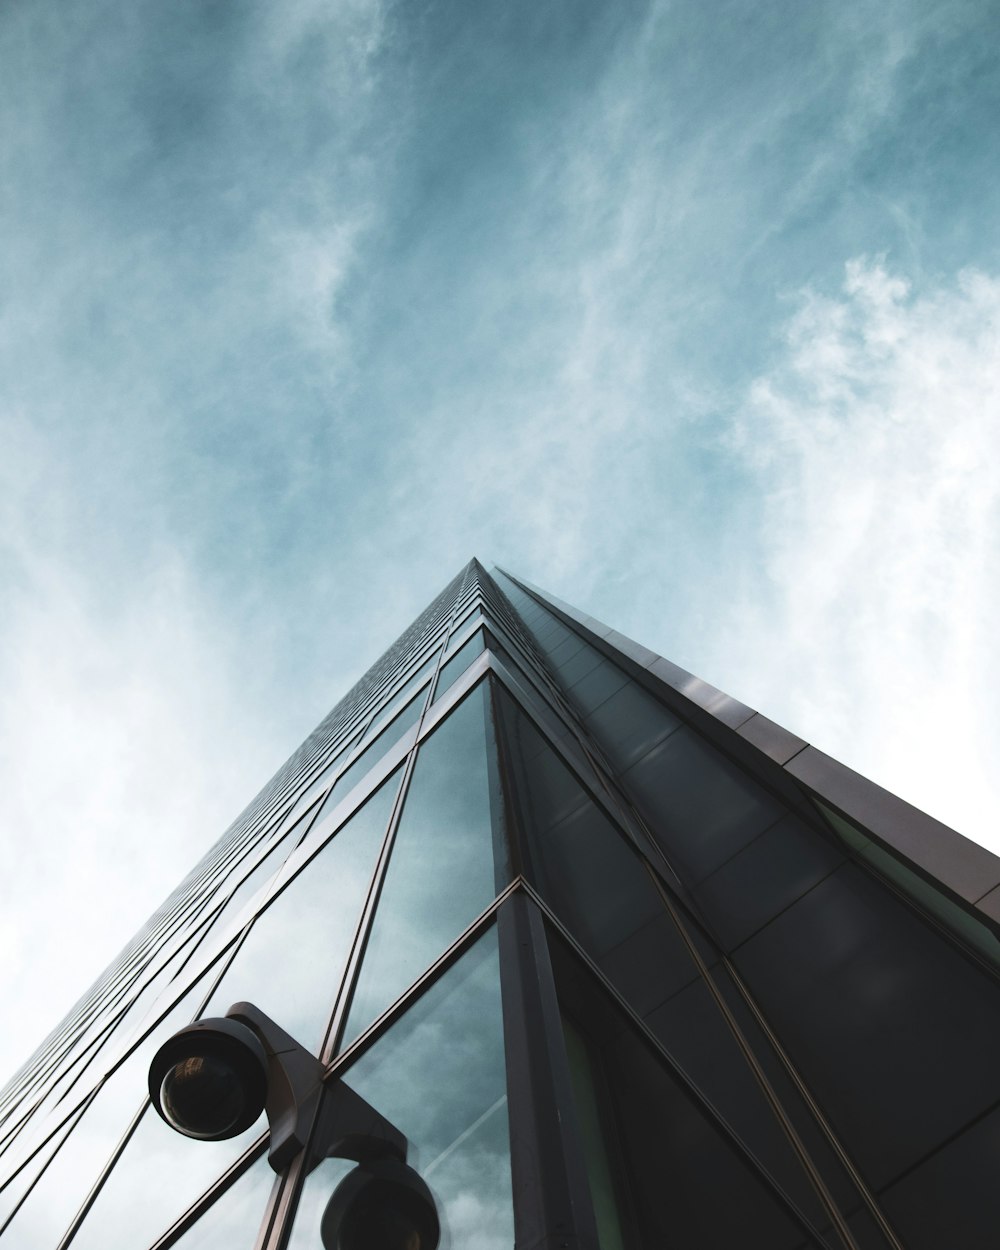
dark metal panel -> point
(965, 868)
(634, 650)
(989, 904)
(775, 742)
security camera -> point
(381, 1205)
(212, 1080)
(209, 1081)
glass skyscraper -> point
(630, 966)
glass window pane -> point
(439, 1075)
(61, 1192)
(895, 1030)
(233, 1220)
(222, 926)
(401, 697)
(928, 896)
(442, 872)
(585, 1098)
(664, 1151)
(756, 885)
(319, 1185)
(702, 808)
(23, 1173)
(586, 871)
(459, 662)
(630, 723)
(291, 963)
(168, 1171)
(371, 755)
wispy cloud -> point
(303, 306)
(122, 764)
(871, 441)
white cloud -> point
(873, 439)
(121, 760)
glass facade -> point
(621, 970)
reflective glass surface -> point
(67, 1181)
(401, 697)
(629, 724)
(584, 869)
(459, 662)
(439, 1075)
(932, 899)
(701, 808)
(586, 1098)
(683, 1182)
(256, 879)
(23, 1174)
(316, 1192)
(767, 876)
(169, 1171)
(443, 869)
(233, 1220)
(369, 757)
(895, 1030)
(293, 958)
(952, 1197)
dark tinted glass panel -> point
(291, 963)
(565, 646)
(700, 808)
(600, 890)
(927, 896)
(951, 1199)
(684, 1183)
(629, 724)
(587, 1099)
(582, 661)
(895, 1030)
(694, 1032)
(439, 1075)
(597, 686)
(584, 869)
(443, 870)
(760, 881)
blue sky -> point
(686, 312)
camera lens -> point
(203, 1097)
(209, 1080)
(379, 1229)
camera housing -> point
(209, 1081)
(382, 1204)
(212, 1079)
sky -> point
(688, 313)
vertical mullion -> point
(552, 1204)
